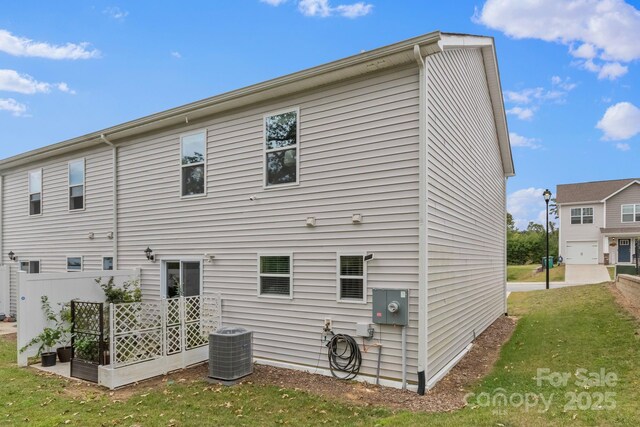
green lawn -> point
(527, 273)
(612, 272)
(561, 329)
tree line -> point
(529, 246)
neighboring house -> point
(599, 221)
(273, 195)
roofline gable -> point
(620, 190)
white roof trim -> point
(620, 190)
(588, 202)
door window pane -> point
(172, 278)
(191, 278)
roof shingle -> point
(589, 191)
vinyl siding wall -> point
(58, 232)
(358, 154)
(628, 196)
(466, 207)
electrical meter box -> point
(391, 307)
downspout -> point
(115, 198)
(422, 220)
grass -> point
(561, 329)
(612, 272)
(527, 273)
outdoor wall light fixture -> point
(149, 253)
(110, 235)
(12, 256)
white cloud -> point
(116, 13)
(12, 106)
(12, 81)
(523, 141)
(525, 205)
(612, 70)
(323, 8)
(620, 121)
(21, 46)
(622, 146)
(176, 54)
(606, 29)
(355, 10)
(521, 113)
(564, 84)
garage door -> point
(582, 253)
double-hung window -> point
(30, 266)
(274, 275)
(352, 278)
(631, 213)
(35, 192)
(581, 215)
(193, 159)
(76, 185)
(281, 148)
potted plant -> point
(49, 336)
(63, 325)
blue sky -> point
(569, 72)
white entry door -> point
(582, 253)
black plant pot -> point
(64, 354)
(49, 359)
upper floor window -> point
(35, 192)
(581, 215)
(193, 158)
(631, 213)
(281, 148)
(351, 278)
(76, 185)
(275, 275)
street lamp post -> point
(547, 197)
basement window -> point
(274, 275)
(351, 278)
(74, 263)
(107, 263)
(193, 160)
(35, 192)
(76, 185)
(281, 163)
(581, 215)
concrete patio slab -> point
(61, 369)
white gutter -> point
(115, 198)
(422, 220)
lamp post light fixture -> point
(547, 197)
(12, 256)
(149, 253)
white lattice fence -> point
(143, 332)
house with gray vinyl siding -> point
(274, 194)
(600, 221)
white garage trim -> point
(582, 252)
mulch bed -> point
(447, 395)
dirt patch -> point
(447, 395)
(623, 301)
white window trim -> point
(30, 260)
(582, 215)
(84, 185)
(290, 275)
(635, 212)
(30, 193)
(163, 271)
(74, 256)
(339, 276)
(112, 262)
(265, 151)
(204, 163)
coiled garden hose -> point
(344, 356)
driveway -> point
(586, 274)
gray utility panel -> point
(390, 307)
